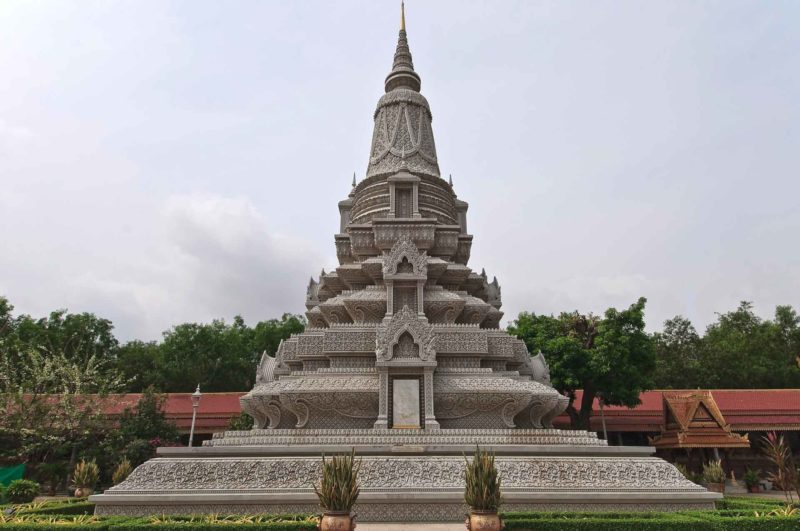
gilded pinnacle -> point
(402, 16)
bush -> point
(3, 497)
(71, 508)
(22, 491)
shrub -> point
(751, 478)
(122, 471)
(22, 491)
(85, 475)
(482, 491)
(713, 472)
(61, 508)
(338, 489)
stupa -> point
(404, 361)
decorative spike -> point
(402, 74)
(354, 179)
(451, 180)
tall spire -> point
(402, 74)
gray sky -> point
(166, 161)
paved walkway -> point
(420, 526)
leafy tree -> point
(738, 351)
(141, 430)
(678, 355)
(610, 357)
(241, 422)
(141, 362)
(218, 356)
(53, 405)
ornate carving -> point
(405, 249)
(540, 368)
(349, 340)
(266, 474)
(462, 341)
(405, 320)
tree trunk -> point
(585, 412)
(73, 460)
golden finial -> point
(402, 16)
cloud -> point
(208, 257)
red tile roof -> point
(743, 409)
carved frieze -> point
(465, 341)
(309, 343)
(349, 340)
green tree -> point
(218, 356)
(679, 359)
(611, 358)
(741, 350)
(53, 404)
(141, 362)
(141, 430)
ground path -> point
(415, 526)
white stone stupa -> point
(403, 361)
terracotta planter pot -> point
(754, 489)
(337, 521)
(716, 487)
(83, 492)
(484, 521)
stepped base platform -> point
(406, 475)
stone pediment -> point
(405, 321)
(405, 258)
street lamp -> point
(195, 404)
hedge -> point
(66, 508)
(676, 523)
(139, 525)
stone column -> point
(430, 417)
(389, 298)
(383, 400)
(415, 201)
(420, 300)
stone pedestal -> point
(406, 475)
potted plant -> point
(482, 492)
(751, 480)
(84, 478)
(123, 470)
(338, 492)
(714, 476)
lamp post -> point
(602, 417)
(195, 404)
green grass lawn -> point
(732, 514)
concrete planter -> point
(337, 521)
(483, 521)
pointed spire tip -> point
(402, 15)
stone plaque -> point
(405, 403)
